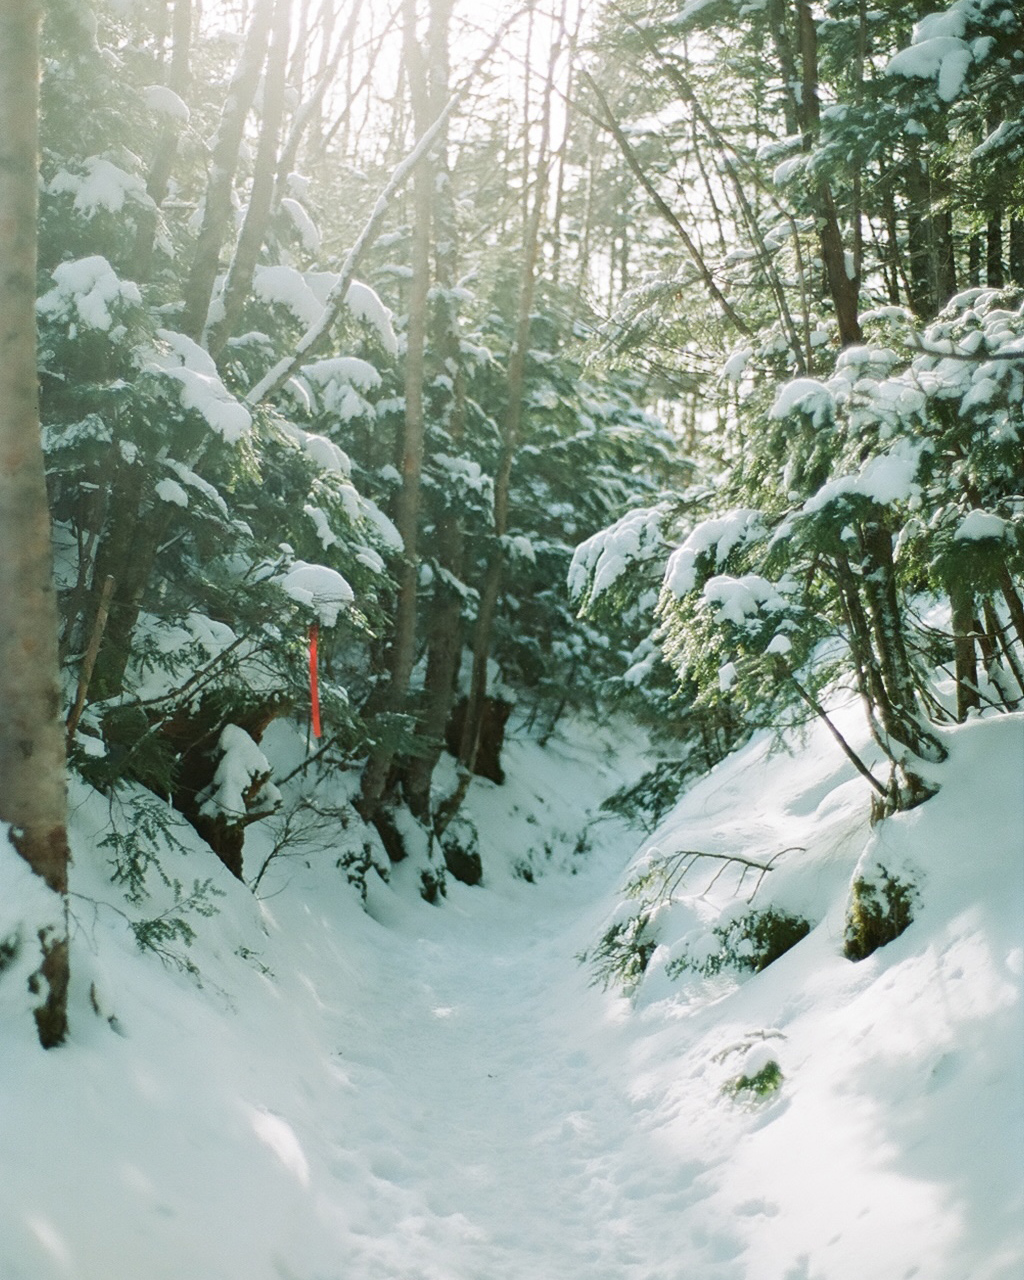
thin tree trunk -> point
(799, 71)
(631, 158)
(445, 626)
(995, 276)
(780, 37)
(843, 287)
(1013, 601)
(126, 553)
(296, 72)
(179, 79)
(402, 651)
(892, 720)
(974, 247)
(352, 91)
(1017, 251)
(223, 164)
(257, 216)
(945, 252)
(32, 781)
(964, 651)
(311, 108)
(703, 126)
(999, 637)
(516, 384)
(844, 746)
(869, 678)
(879, 587)
(562, 154)
(276, 377)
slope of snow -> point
(418, 1092)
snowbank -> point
(412, 1092)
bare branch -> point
(632, 160)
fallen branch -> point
(670, 871)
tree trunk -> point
(879, 585)
(1017, 251)
(945, 255)
(1002, 641)
(32, 782)
(257, 216)
(843, 287)
(783, 44)
(995, 276)
(179, 79)
(445, 628)
(1013, 601)
(402, 652)
(490, 589)
(126, 553)
(223, 164)
(974, 246)
(311, 111)
(964, 650)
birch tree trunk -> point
(32, 782)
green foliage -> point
(166, 934)
(880, 907)
(621, 956)
(136, 851)
(357, 863)
(137, 856)
(647, 801)
(762, 1084)
(749, 943)
(9, 948)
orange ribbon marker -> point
(314, 684)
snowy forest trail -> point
(506, 1139)
(436, 1092)
(485, 1121)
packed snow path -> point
(507, 1148)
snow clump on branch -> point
(305, 295)
(241, 766)
(319, 588)
(602, 559)
(102, 186)
(165, 102)
(201, 388)
(720, 535)
(939, 52)
(85, 290)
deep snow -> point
(419, 1092)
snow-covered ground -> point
(419, 1092)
